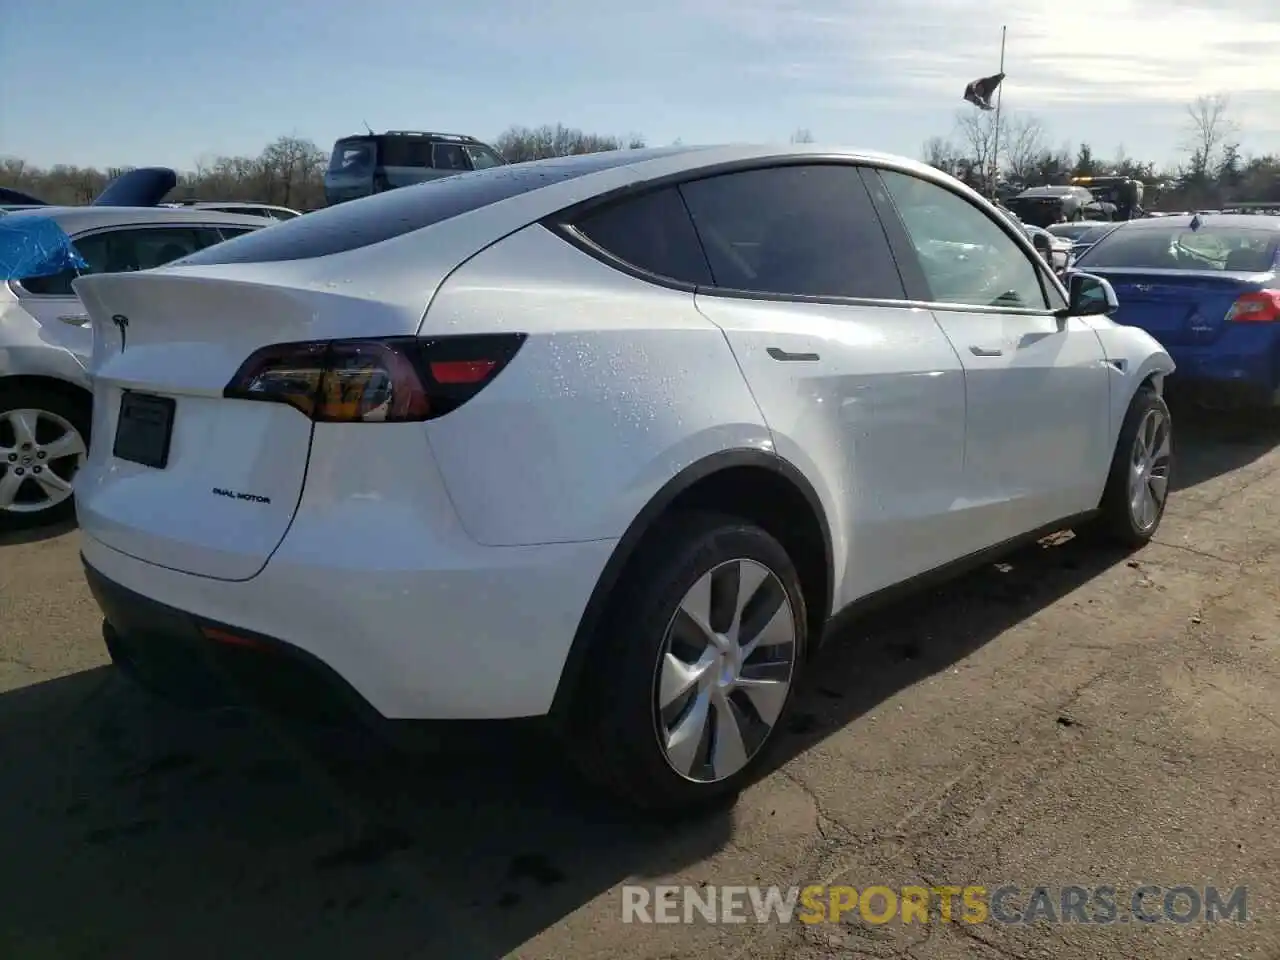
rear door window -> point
(802, 231)
(652, 233)
(125, 250)
(405, 152)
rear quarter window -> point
(652, 233)
(370, 220)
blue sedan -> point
(1206, 287)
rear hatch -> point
(178, 475)
(1178, 308)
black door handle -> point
(779, 354)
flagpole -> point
(995, 147)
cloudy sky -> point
(158, 82)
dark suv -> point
(375, 162)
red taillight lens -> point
(394, 380)
(1260, 307)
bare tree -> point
(941, 153)
(519, 144)
(802, 135)
(1208, 126)
(1023, 146)
(977, 133)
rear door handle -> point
(783, 355)
(986, 351)
(75, 319)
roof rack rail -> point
(459, 137)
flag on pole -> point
(980, 92)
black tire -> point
(1116, 522)
(76, 411)
(613, 736)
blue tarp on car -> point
(35, 246)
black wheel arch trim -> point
(644, 521)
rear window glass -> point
(405, 152)
(370, 220)
(352, 158)
(1179, 248)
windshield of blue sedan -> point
(1237, 249)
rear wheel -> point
(44, 440)
(694, 670)
(1137, 488)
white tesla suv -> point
(604, 440)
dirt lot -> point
(1066, 718)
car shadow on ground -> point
(35, 534)
(1209, 443)
(133, 829)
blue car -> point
(1206, 287)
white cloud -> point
(1122, 53)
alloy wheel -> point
(40, 453)
(1149, 469)
(725, 671)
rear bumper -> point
(204, 664)
(1242, 363)
(481, 636)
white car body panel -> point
(641, 370)
(1037, 421)
(417, 558)
(876, 423)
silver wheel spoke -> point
(778, 631)
(728, 752)
(1159, 487)
(53, 485)
(750, 578)
(696, 605)
(686, 737)
(767, 696)
(68, 445)
(9, 484)
(23, 423)
(678, 677)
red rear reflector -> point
(1260, 307)
(230, 639)
(462, 371)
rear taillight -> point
(1262, 306)
(392, 380)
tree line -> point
(290, 170)
(1015, 151)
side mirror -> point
(1089, 296)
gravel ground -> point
(1068, 717)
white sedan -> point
(603, 440)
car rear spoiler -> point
(17, 198)
(143, 187)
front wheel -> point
(1137, 489)
(693, 673)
